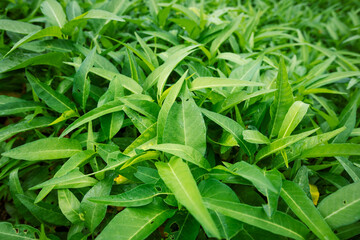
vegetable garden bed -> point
(185, 120)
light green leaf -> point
(8, 232)
(136, 223)
(81, 84)
(333, 77)
(212, 82)
(280, 223)
(292, 118)
(12, 105)
(185, 124)
(43, 212)
(125, 81)
(138, 196)
(342, 207)
(283, 99)
(72, 179)
(53, 31)
(161, 73)
(225, 34)
(166, 107)
(18, 27)
(254, 136)
(69, 205)
(304, 209)
(94, 213)
(23, 126)
(177, 177)
(45, 149)
(213, 188)
(254, 174)
(350, 168)
(54, 12)
(332, 150)
(75, 161)
(232, 127)
(110, 107)
(187, 153)
(282, 143)
(53, 99)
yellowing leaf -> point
(120, 179)
(314, 193)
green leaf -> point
(282, 143)
(72, 179)
(18, 27)
(283, 99)
(212, 188)
(280, 223)
(161, 73)
(333, 77)
(53, 99)
(125, 81)
(110, 107)
(69, 27)
(229, 125)
(225, 34)
(304, 209)
(12, 105)
(136, 223)
(166, 107)
(350, 168)
(9, 232)
(253, 174)
(45, 149)
(177, 177)
(43, 212)
(292, 118)
(53, 31)
(23, 126)
(254, 136)
(188, 226)
(139, 196)
(81, 85)
(75, 161)
(212, 82)
(53, 12)
(147, 108)
(94, 213)
(342, 207)
(69, 205)
(187, 153)
(185, 124)
(20, 60)
(332, 150)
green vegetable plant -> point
(188, 119)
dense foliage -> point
(179, 120)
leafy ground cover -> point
(179, 120)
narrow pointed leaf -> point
(81, 86)
(53, 99)
(54, 12)
(304, 209)
(45, 149)
(280, 223)
(283, 99)
(342, 207)
(232, 127)
(110, 107)
(136, 223)
(177, 177)
(292, 118)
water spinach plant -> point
(188, 119)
